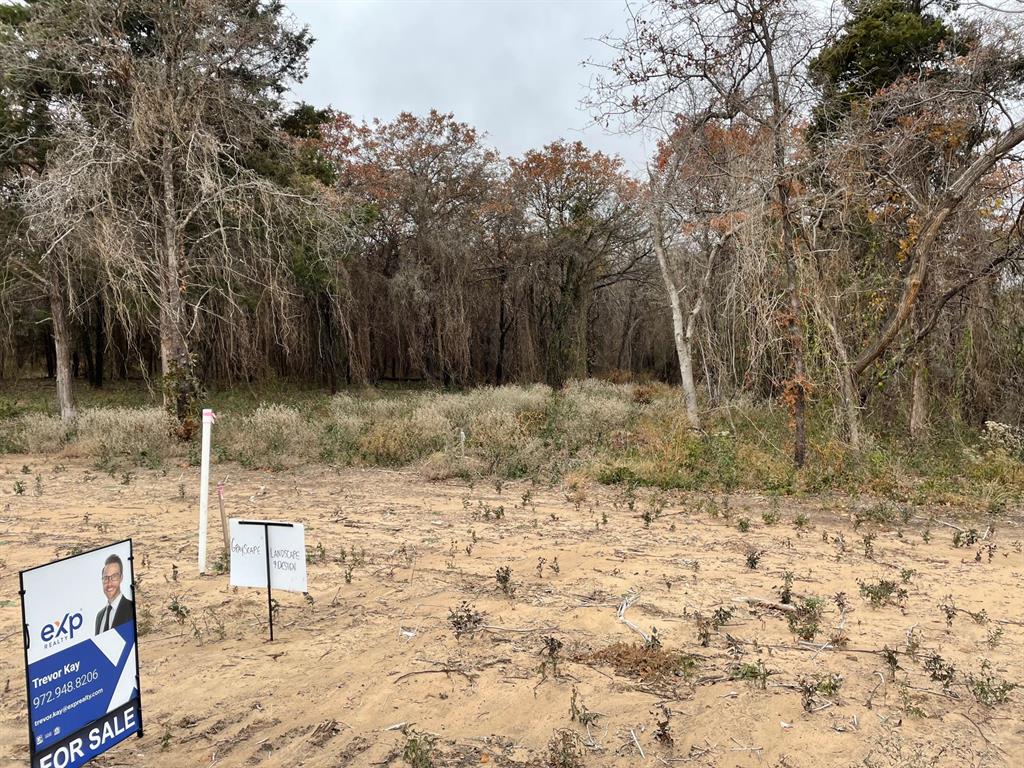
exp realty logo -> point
(62, 630)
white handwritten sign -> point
(287, 555)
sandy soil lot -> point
(374, 646)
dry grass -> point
(643, 662)
(141, 435)
(34, 433)
(625, 434)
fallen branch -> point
(756, 601)
(438, 670)
(494, 628)
(980, 732)
(627, 600)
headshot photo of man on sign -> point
(118, 609)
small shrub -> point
(579, 712)
(178, 609)
(419, 749)
(564, 750)
(804, 621)
(880, 514)
(966, 538)
(551, 653)
(756, 673)
(786, 590)
(504, 578)
(706, 626)
(465, 619)
(940, 670)
(869, 545)
(883, 592)
(987, 688)
(823, 685)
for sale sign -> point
(82, 669)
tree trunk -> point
(101, 343)
(174, 357)
(796, 389)
(683, 348)
(559, 351)
(504, 324)
(847, 381)
(934, 219)
(919, 400)
(61, 345)
(627, 335)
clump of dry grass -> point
(390, 431)
(35, 433)
(143, 435)
(399, 431)
(528, 403)
(272, 436)
(590, 412)
(444, 465)
(504, 443)
(646, 663)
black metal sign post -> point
(266, 543)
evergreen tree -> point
(881, 42)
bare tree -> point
(172, 101)
(693, 186)
(928, 161)
(716, 60)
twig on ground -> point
(438, 670)
(881, 682)
(740, 748)
(635, 741)
(980, 732)
(494, 628)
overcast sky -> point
(510, 68)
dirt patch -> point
(435, 624)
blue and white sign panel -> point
(80, 656)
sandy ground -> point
(363, 656)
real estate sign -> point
(82, 669)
